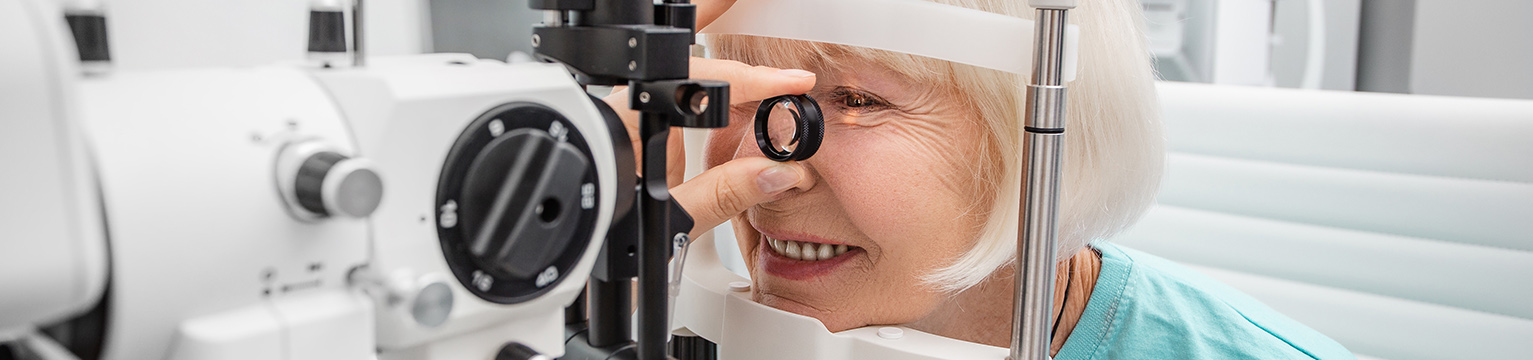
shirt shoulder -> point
(1147, 307)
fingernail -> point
(795, 73)
(777, 178)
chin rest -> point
(712, 304)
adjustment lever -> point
(517, 351)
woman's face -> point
(895, 184)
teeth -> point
(805, 250)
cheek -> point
(903, 193)
(746, 238)
(906, 193)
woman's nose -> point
(747, 142)
(723, 143)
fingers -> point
(729, 189)
(708, 10)
(675, 158)
(747, 84)
(753, 83)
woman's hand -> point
(730, 188)
(708, 10)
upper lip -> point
(796, 236)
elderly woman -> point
(907, 215)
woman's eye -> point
(856, 101)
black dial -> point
(516, 204)
(330, 184)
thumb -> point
(729, 189)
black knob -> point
(327, 31)
(520, 203)
(517, 351)
(328, 183)
(90, 33)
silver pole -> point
(553, 18)
(1044, 127)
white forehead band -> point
(915, 27)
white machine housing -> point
(406, 113)
(211, 264)
(52, 246)
(207, 260)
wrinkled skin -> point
(894, 177)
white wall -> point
(489, 29)
(162, 34)
(1478, 48)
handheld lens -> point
(789, 127)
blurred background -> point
(1475, 48)
(1396, 224)
(1433, 47)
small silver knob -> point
(427, 300)
(345, 187)
(318, 181)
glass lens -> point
(782, 126)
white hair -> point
(1113, 145)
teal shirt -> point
(1146, 307)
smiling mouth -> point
(806, 251)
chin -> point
(833, 321)
(790, 295)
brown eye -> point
(855, 100)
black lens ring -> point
(809, 124)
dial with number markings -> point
(516, 202)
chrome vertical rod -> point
(1044, 129)
(553, 18)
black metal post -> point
(576, 312)
(610, 323)
(654, 251)
(647, 47)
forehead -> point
(831, 60)
(870, 76)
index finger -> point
(724, 191)
(753, 83)
(708, 10)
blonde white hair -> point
(1113, 144)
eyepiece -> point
(789, 127)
